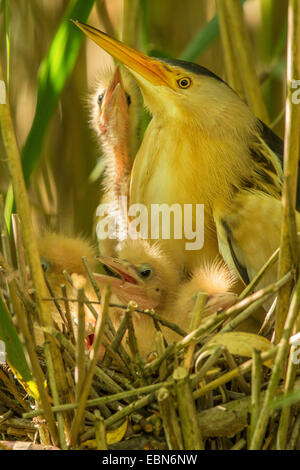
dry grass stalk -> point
(244, 58)
(51, 350)
(288, 245)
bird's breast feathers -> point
(176, 165)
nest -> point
(216, 388)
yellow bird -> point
(148, 276)
(115, 105)
(59, 252)
(205, 146)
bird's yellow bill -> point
(152, 70)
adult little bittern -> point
(204, 145)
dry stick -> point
(240, 370)
(232, 365)
(100, 432)
(21, 263)
(18, 309)
(269, 320)
(208, 364)
(112, 386)
(4, 234)
(103, 400)
(160, 348)
(195, 322)
(80, 368)
(255, 389)
(149, 313)
(284, 422)
(282, 352)
(68, 314)
(5, 242)
(295, 434)
(35, 365)
(116, 345)
(133, 343)
(97, 291)
(291, 157)
(13, 390)
(232, 71)
(251, 309)
(121, 351)
(244, 315)
(239, 445)
(90, 373)
(10, 403)
(127, 410)
(52, 352)
(215, 320)
(64, 321)
(245, 59)
(86, 300)
(187, 411)
(169, 419)
(20, 252)
(266, 267)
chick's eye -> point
(45, 265)
(184, 82)
(100, 99)
(145, 271)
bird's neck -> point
(182, 164)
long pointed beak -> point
(154, 71)
(129, 287)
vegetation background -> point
(49, 68)
(63, 192)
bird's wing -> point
(275, 143)
(249, 233)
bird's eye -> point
(146, 271)
(184, 82)
(100, 99)
(45, 265)
(128, 98)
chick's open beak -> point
(154, 71)
(115, 86)
(127, 288)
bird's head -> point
(146, 274)
(59, 252)
(182, 90)
(114, 104)
(215, 280)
